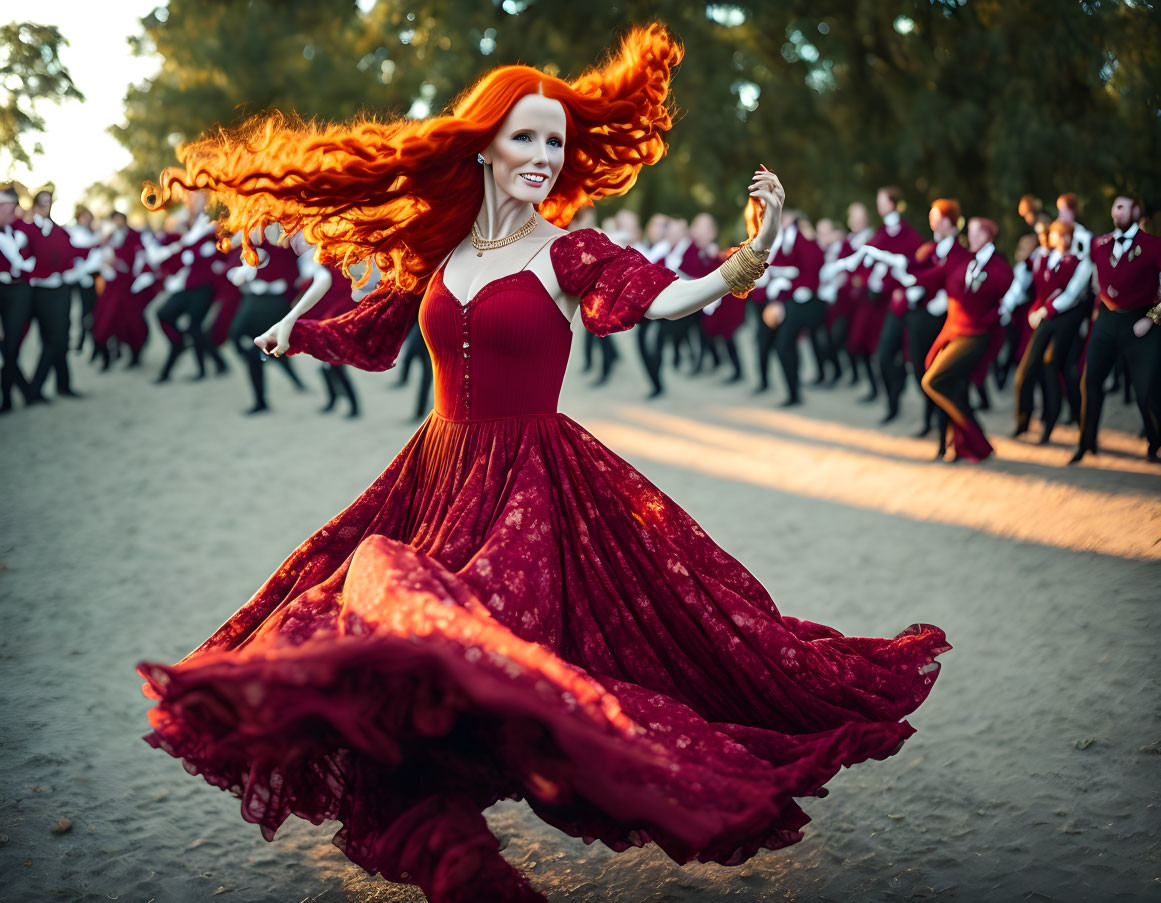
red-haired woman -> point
(512, 611)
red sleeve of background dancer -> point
(368, 336)
(933, 278)
(615, 285)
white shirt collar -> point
(861, 238)
(786, 240)
(943, 245)
(43, 223)
(891, 220)
(984, 254)
(1130, 233)
(677, 254)
(1054, 257)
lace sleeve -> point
(368, 336)
(615, 285)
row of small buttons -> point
(467, 379)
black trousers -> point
(649, 346)
(800, 315)
(765, 347)
(710, 349)
(1043, 364)
(256, 314)
(50, 309)
(922, 330)
(892, 367)
(193, 303)
(608, 353)
(15, 312)
(88, 296)
(836, 336)
(679, 335)
(947, 382)
(1112, 335)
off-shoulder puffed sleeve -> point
(615, 285)
(368, 336)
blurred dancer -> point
(336, 300)
(894, 237)
(926, 313)
(831, 241)
(1060, 282)
(677, 334)
(882, 251)
(850, 288)
(131, 284)
(974, 287)
(1128, 273)
(1017, 332)
(648, 331)
(15, 297)
(83, 235)
(192, 293)
(795, 264)
(265, 298)
(56, 260)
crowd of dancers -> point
(875, 306)
(202, 298)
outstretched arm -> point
(686, 296)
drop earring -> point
(480, 159)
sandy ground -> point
(136, 520)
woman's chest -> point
(513, 316)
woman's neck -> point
(500, 213)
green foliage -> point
(981, 100)
(30, 71)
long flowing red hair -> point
(405, 192)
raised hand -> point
(767, 189)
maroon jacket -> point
(1048, 282)
(1130, 283)
(807, 256)
(905, 240)
(281, 263)
(926, 261)
(54, 252)
(971, 309)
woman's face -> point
(527, 153)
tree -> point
(981, 100)
(30, 72)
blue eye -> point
(555, 142)
(523, 136)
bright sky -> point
(77, 149)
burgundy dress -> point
(512, 611)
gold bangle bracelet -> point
(741, 270)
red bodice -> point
(501, 355)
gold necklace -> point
(482, 244)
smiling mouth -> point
(534, 178)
